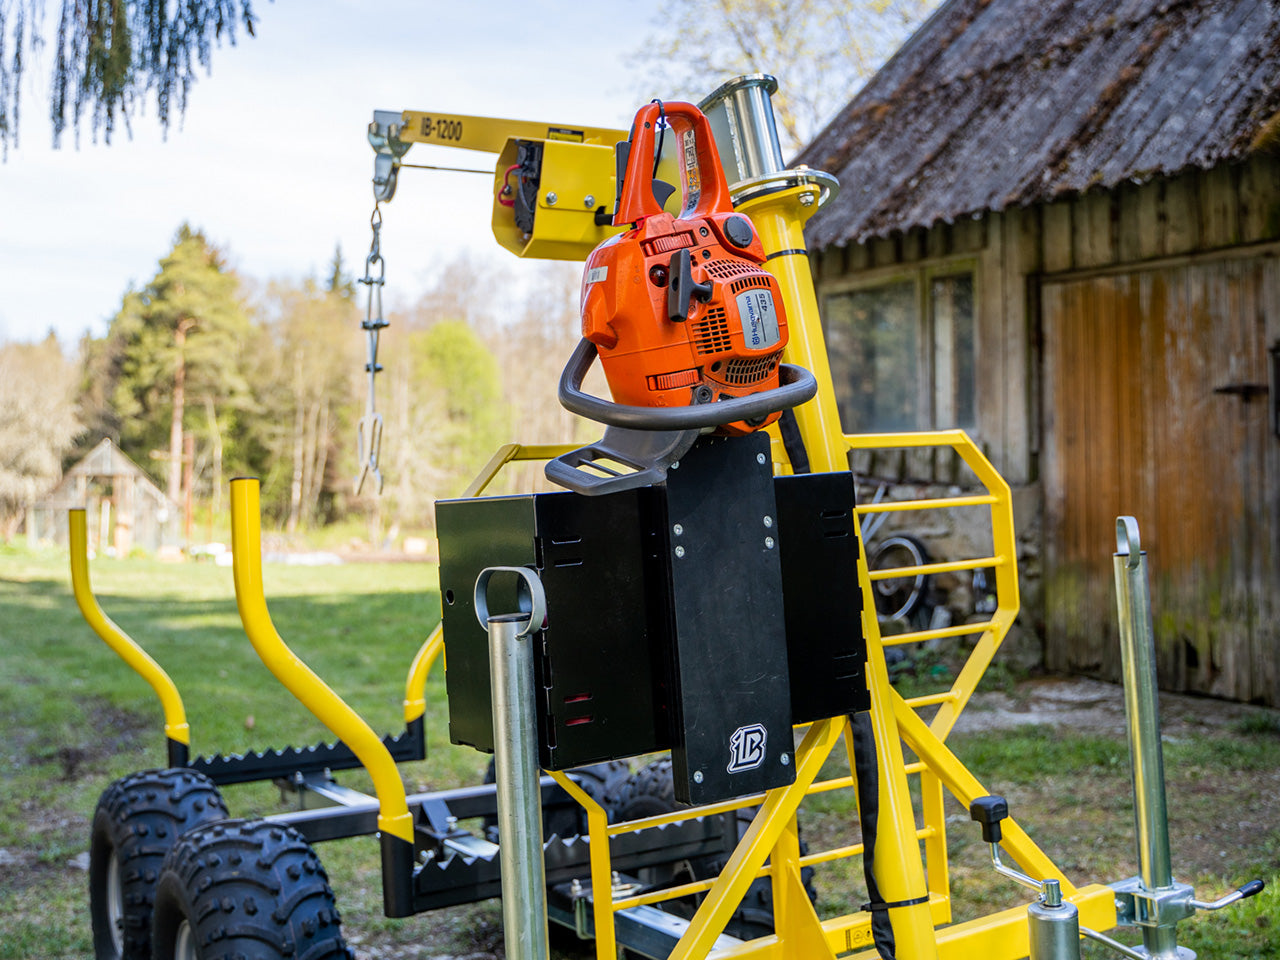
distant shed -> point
(1059, 228)
(125, 508)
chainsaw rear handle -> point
(798, 386)
(703, 192)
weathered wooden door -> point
(1157, 394)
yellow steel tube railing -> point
(415, 700)
(601, 866)
(509, 452)
(175, 718)
(948, 566)
(246, 545)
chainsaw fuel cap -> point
(738, 232)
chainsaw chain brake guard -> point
(688, 326)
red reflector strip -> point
(669, 381)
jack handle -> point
(394, 819)
(176, 730)
(1250, 889)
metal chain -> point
(369, 430)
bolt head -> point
(785, 759)
(678, 529)
(760, 458)
(552, 199)
(768, 543)
(697, 776)
(679, 551)
(768, 521)
(589, 201)
(806, 199)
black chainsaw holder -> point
(704, 615)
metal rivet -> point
(786, 759)
(697, 776)
(768, 543)
(590, 201)
(551, 199)
(768, 521)
(679, 551)
(760, 458)
(678, 529)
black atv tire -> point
(650, 792)
(248, 890)
(138, 820)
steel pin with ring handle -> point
(515, 760)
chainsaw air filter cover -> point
(679, 307)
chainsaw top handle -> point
(702, 184)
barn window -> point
(903, 352)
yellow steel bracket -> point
(576, 174)
(176, 728)
(576, 182)
(246, 545)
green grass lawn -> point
(73, 717)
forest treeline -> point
(268, 380)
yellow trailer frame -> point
(906, 845)
(910, 859)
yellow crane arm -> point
(491, 134)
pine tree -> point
(175, 350)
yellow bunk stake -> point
(415, 699)
(394, 818)
(176, 729)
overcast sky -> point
(272, 163)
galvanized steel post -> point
(515, 750)
(1142, 710)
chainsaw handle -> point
(704, 191)
(798, 385)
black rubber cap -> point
(989, 811)
(1252, 888)
(738, 231)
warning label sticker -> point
(759, 319)
(692, 172)
(564, 133)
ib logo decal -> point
(746, 748)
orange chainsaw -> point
(688, 326)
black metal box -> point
(704, 616)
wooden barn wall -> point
(1166, 223)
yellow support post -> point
(779, 218)
(602, 904)
(246, 546)
(176, 729)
